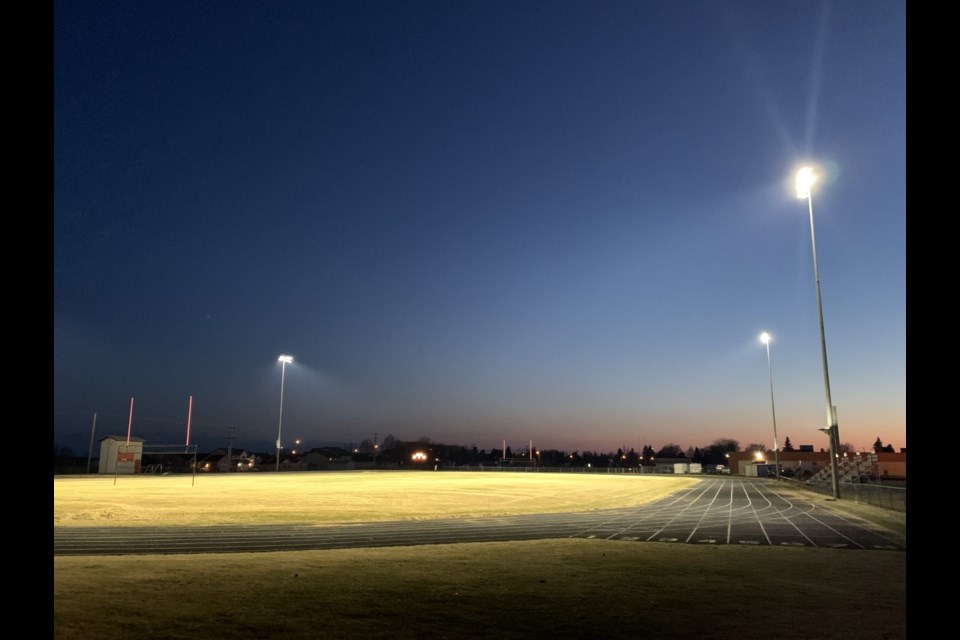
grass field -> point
(552, 588)
(330, 497)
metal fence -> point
(542, 469)
(878, 495)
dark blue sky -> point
(477, 221)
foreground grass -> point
(330, 497)
(566, 588)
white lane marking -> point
(706, 511)
(756, 514)
(749, 541)
(730, 515)
(789, 519)
(686, 510)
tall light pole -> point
(765, 339)
(805, 180)
(284, 361)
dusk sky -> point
(478, 221)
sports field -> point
(332, 497)
(567, 588)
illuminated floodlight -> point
(765, 339)
(419, 456)
(284, 360)
(805, 180)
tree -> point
(671, 450)
(846, 447)
(762, 448)
(726, 444)
(390, 442)
(717, 452)
(787, 445)
(878, 445)
(647, 454)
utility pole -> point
(231, 435)
(93, 430)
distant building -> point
(219, 460)
(327, 459)
(116, 456)
(668, 465)
(805, 464)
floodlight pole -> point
(284, 360)
(805, 179)
(765, 339)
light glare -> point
(765, 338)
(285, 359)
(805, 180)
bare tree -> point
(671, 450)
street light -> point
(284, 361)
(805, 180)
(765, 339)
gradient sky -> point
(477, 221)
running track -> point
(715, 511)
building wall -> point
(118, 457)
(892, 465)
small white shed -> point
(116, 456)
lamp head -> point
(805, 180)
(765, 338)
(285, 359)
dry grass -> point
(567, 588)
(329, 497)
(552, 588)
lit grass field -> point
(569, 588)
(333, 497)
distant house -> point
(223, 460)
(327, 459)
(116, 456)
(287, 463)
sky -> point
(565, 222)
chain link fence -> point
(878, 495)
